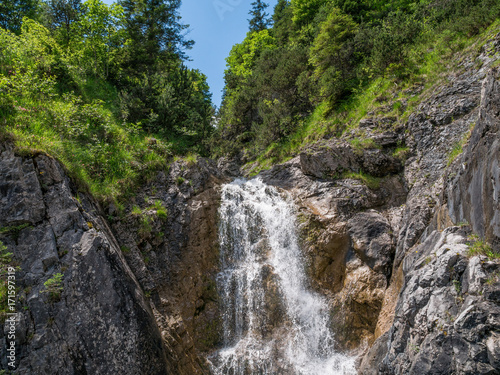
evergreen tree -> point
(155, 32)
(13, 11)
(259, 20)
(282, 21)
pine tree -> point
(13, 11)
(259, 20)
(282, 21)
(155, 32)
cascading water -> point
(272, 324)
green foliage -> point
(63, 99)
(5, 257)
(455, 151)
(370, 181)
(161, 211)
(344, 54)
(14, 230)
(145, 228)
(242, 57)
(360, 144)
(59, 16)
(54, 287)
(13, 11)
(97, 37)
(191, 159)
(125, 249)
(259, 20)
(304, 11)
(333, 56)
(155, 33)
(401, 153)
(458, 146)
(478, 246)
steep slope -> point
(99, 321)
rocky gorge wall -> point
(138, 293)
(101, 323)
(395, 259)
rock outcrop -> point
(175, 257)
(98, 321)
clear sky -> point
(215, 26)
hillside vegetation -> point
(324, 64)
(101, 88)
(104, 88)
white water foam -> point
(272, 323)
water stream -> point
(272, 323)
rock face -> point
(448, 314)
(447, 317)
(175, 258)
(394, 259)
(473, 192)
(138, 292)
(101, 323)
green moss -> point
(370, 181)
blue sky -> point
(215, 26)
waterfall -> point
(272, 322)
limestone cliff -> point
(100, 322)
